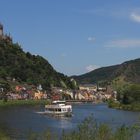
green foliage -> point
(132, 94)
(27, 68)
(4, 89)
(90, 130)
(3, 135)
(128, 71)
(101, 74)
(113, 104)
(23, 103)
(124, 133)
(128, 96)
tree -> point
(132, 94)
(5, 89)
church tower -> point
(1, 29)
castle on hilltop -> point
(3, 36)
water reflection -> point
(18, 121)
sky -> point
(75, 36)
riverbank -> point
(23, 103)
(130, 107)
(11, 103)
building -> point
(1, 30)
(88, 87)
(3, 36)
(38, 95)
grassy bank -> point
(4, 135)
(23, 103)
(131, 107)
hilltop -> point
(26, 68)
(127, 72)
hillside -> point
(128, 71)
(28, 68)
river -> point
(18, 121)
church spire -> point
(1, 29)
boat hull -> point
(63, 114)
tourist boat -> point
(59, 108)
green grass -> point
(23, 103)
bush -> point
(90, 130)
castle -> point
(3, 36)
(1, 30)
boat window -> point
(58, 102)
(51, 109)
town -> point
(87, 92)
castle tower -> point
(1, 29)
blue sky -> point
(75, 36)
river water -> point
(18, 121)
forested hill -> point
(128, 71)
(28, 68)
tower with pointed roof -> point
(1, 30)
(4, 37)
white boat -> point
(59, 108)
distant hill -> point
(128, 72)
(28, 68)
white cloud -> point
(124, 43)
(135, 17)
(91, 67)
(92, 39)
